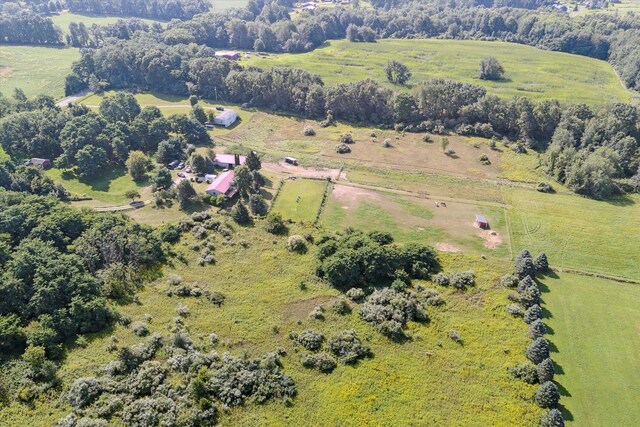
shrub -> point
(509, 281)
(426, 138)
(484, 159)
(139, 328)
(310, 339)
(546, 370)
(322, 361)
(526, 372)
(532, 313)
(538, 350)
(544, 187)
(91, 422)
(547, 395)
(441, 279)
(317, 313)
(346, 138)
(524, 265)
(150, 375)
(275, 224)
(174, 280)
(553, 418)
(342, 149)
(309, 131)
(347, 347)
(455, 335)
(386, 143)
(526, 282)
(531, 296)
(182, 310)
(399, 285)
(355, 294)
(297, 244)
(541, 262)
(240, 214)
(341, 306)
(462, 280)
(537, 329)
(388, 311)
(515, 310)
(83, 391)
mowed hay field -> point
(430, 380)
(63, 19)
(576, 232)
(36, 70)
(310, 192)
(530, 72)
(595, 326)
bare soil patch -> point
(348, 194)
(301, 309)
(447, 247)
(492, 238)
(5, 70)
(286, 168)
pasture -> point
(594, 332)
(64, 18)
(449, 227)
(576, 232)
(432, 379)
(300, 199)
(530, 72)
(35, 70)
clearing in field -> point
(577, 232)
(36, 70)
(63, 19)
(531, 72)
(448, 226)
(300, 199)
(594, 329)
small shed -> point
(226, 118)
(291, 160)
(210, 178)
(174, 164)
(40, 163)
(228, 54)
(482, 222)
(229, 160)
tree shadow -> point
(621, 201)
(566, 414)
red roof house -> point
(222, 185)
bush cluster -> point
(323, 362)
(526, 372)
(297, 244)
(310, 339)
(347, 347)
(389, 310)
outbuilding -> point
(228, 54)
(40, 163)
(291, 160)
(222, 185)
(482, 222)
(228, 161)
(226, 118)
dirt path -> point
(73, 98)
(301, 171)
(130, 206)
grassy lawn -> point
(64, 18)
(576, 232)
(107, 190)
(427, 381)
(412, 219)
(594, 325)
(36, 70)
(310, 192)
(3, 154)
(531, 72)
(220, 5)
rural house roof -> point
(480, 218)
(38, 161)
(226, 114)
(222, 183)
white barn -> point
(226, 118)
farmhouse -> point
(41, 163)
(222, 185)
(228, 54)
(482, 222)
(226, 118)
(229, 160)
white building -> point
(226, 118)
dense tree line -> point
(89, 143)
(28, 179)
(19, 102)
(81, 35)
(26, 27)
(11, 7)
(156, 9)
(59, 265)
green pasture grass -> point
(530, 72)
(64, 18)
(35, 70)
(3, 154)
(593, 327)
(619, 8)
(171, 104)
(413, 219)
(221, 5)
(106, 190)
(576, 232)
(310, 192)
(427, 381)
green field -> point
(63, 20)
(309, 191)
(108, 190)
(576, 232)
(595, 327)
(530, 72)
(36, 70)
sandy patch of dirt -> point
(348, 194)
(492, 238)
(282, 167)
(447, 247)
(5, 70)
